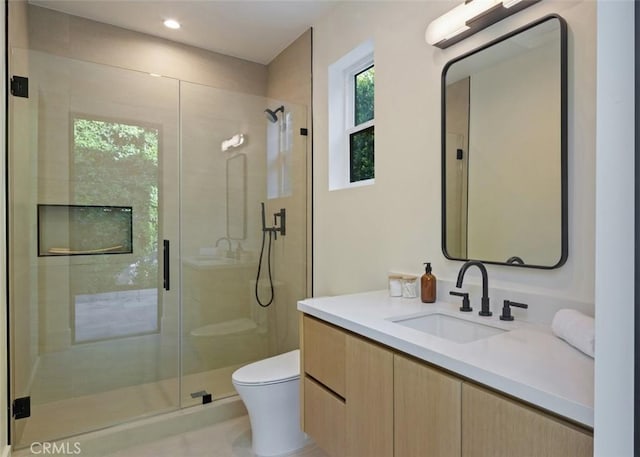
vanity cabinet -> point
(493, 426)
(426, 410)
(324, 349)
(360, 398)
(323, 363)
(369, 399)
(347, 391)
(324, 417)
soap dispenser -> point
(428, 285)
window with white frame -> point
(351, 119)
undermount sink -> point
(448, 327)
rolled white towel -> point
(575, 328)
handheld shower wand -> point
(271, 230)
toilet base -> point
(276, 433)
(273, 407)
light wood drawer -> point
(369, 402)
(427, 405)
(325, 418)
(324, 354)
(495, 426)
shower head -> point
(272, 115)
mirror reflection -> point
(237, 197)
(504, 150)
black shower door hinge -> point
(20, 86)
(21, 407)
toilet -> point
(270, 390)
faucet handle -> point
(466, 307)
(506, 309)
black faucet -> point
(506, 309)
(485, 311)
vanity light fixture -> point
(171, 24)
(471, 17)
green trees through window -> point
(116, 163)
(364, 86)
(361, 141)
(361, 155)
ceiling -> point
(256, 30)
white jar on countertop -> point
(409, 286)
(395, 285)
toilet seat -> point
(274, 370)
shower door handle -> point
(166, 268)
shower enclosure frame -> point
(178, 241)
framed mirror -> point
(237, 197)
(504, 149)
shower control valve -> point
(282, 214)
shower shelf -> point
(66, 230)
(230, 327)
(68, 251)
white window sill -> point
(351, 185)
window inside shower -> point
(279, 160)
(105, 152)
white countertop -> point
(528, 362)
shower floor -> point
(99, 384)
(67, 417)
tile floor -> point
(231, 438)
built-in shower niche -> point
(65, 230)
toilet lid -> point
(283, 367)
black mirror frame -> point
(563, 141)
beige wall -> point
(289, 81)
(83, 39)
(361, 234)
(289, 74)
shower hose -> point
(264, 234)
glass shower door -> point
(93, 165)
(233, 159)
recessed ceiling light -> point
(171, 24)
